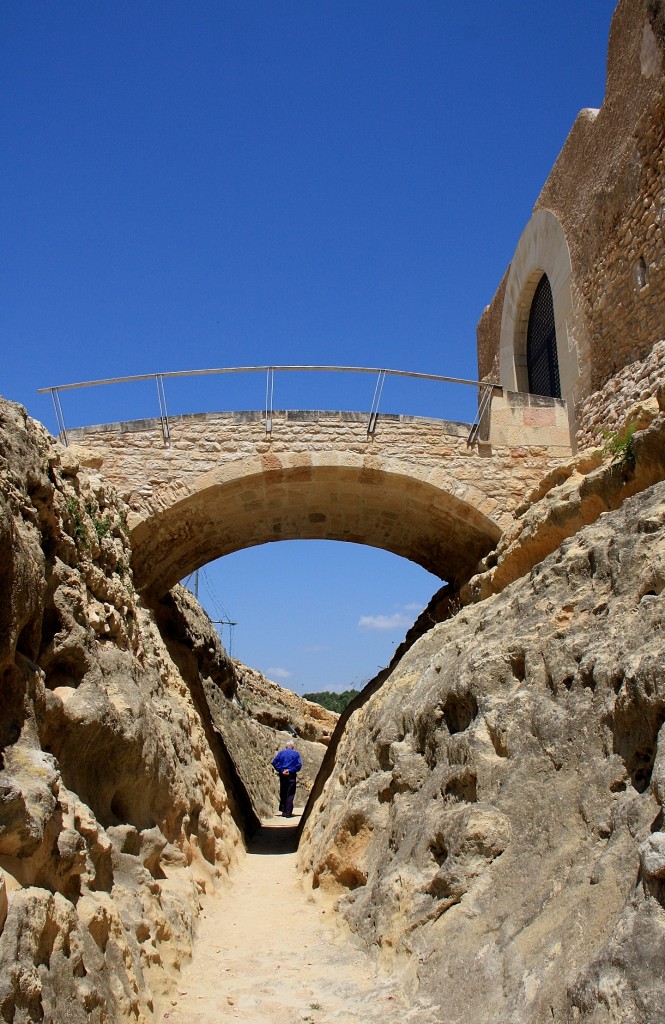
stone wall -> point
(488, 333)
(414, 487)
(623, 288)
(134, 456)
(607, 191)
(606, 409)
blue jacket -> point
(289, 759)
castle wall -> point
(607, 191)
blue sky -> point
(196, 184)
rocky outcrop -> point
(282, 709)
(574, 495)
(123, 797)
(114, 812)
(253, 745)
(495, 809)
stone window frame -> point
(542, 249)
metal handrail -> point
(485, 398)
(484, 386)
(263, 369)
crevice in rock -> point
(170, 622)
(462, 788)
(459, 711)
(517, 661)
(126, 810)
(635, 734)
(351, 878)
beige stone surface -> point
(493, 818)
(608, 410)
(122, 798)
(248, 713)
(114, 815)
(272, 705)
(268, 952)
(572, 496)
(517, 419)
(254, 727)
(415, 488)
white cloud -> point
(315, 648)
(395, 621)
(278, 673)
(413, 607)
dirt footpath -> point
(267, 952)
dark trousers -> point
(287, 793)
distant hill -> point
(332, 701)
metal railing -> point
(485, 390)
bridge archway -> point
(257, 500)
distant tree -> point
(332, 701)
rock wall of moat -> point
(492, 820)
(489, 817)
(130, 771)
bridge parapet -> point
(492, 477)
(434, 491)
(414, 486)
(512, 414)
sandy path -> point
(268, 953)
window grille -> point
(541, 356)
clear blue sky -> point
(195, 184)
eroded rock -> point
(493, 814)
(123, 797)
(98, 733)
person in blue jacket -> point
(287, 764)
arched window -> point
(541, 357)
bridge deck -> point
(220, 482)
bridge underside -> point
(253, 502)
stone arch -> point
(542, 249)
(398, 508)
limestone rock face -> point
(248, 712)
(114, 809)
(495, 808)
(572, 496)
(122, 796)
(282, 709)
(252, 746)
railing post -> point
(484, 403)
(374, 411)
(163, 414)
(59, 416)
(270, 388)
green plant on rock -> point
(77, 519)
(102, 525)
(619, 445)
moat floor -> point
(267, 952)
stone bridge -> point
(413, 486)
